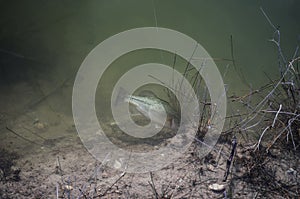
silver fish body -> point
(155, 109)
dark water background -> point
(44, 42)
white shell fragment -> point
(68, 188)
(216, 187)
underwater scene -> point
(149, 99)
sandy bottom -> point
(53, 163)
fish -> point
(151, 107)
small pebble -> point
(68, 187)
(216, 187)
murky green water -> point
(59, 34)
(46, 41)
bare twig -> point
(22, 137)
(260, 138)
(276, 115)
(56, 190)
(282, 131)
(82, 192)
(58, 167)
(268, 19)
(229, 160)
(152, 185)
(281, 112)
(105, 192)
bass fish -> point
(151, 107)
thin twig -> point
(34, 133)
(279, 135)
(56, 190)
(105, 192)
(153, 186)
(268, 19)
(219, 155)
(84, 195)
(59, 168)
(260, 138)
(229, 160)
(24, 138)
(259, 107)
(20, 56)
(284, 113)
(280, 106)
